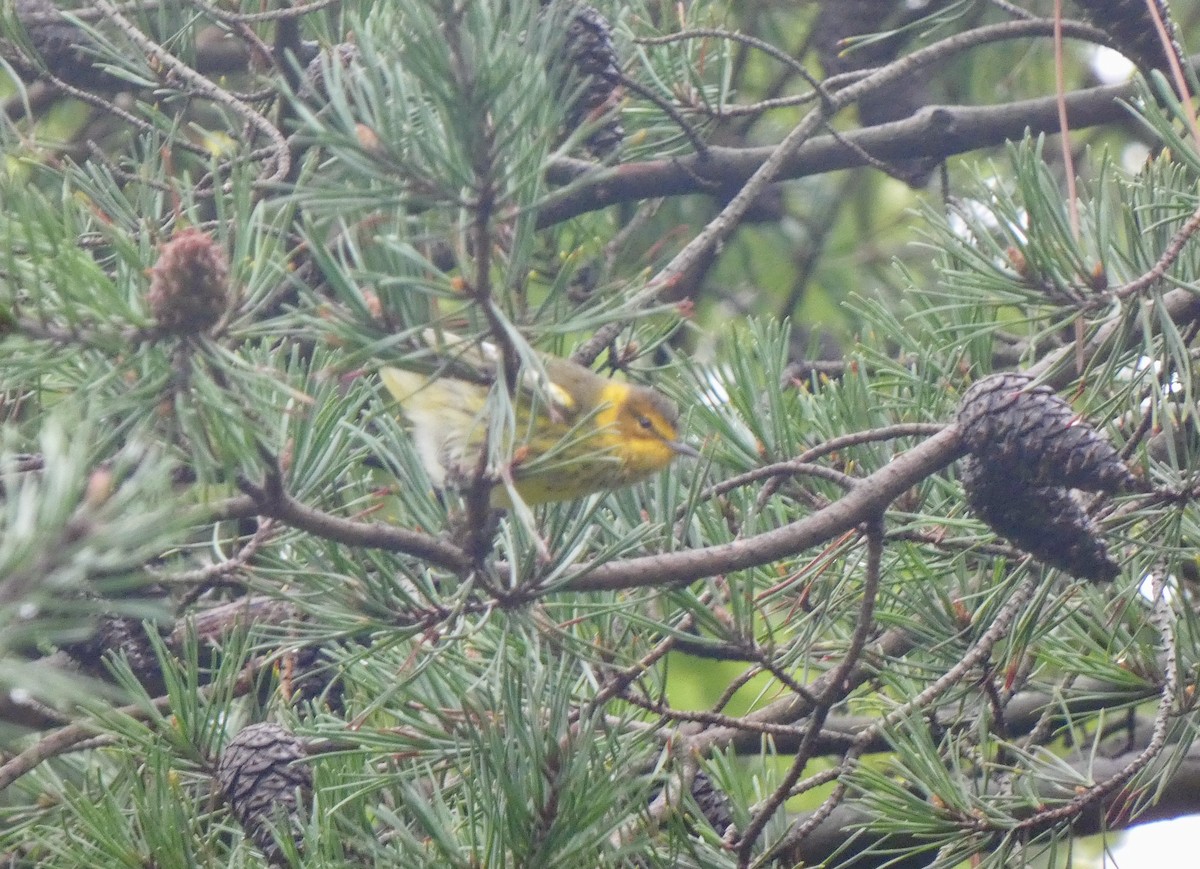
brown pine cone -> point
(309, 674)
(313, 86)
(66, 50)
(713, 802)
(1132, 31)
(589, 51)
(1026, 431)
(189, 284)
(262, 774)
(119, 635)
(1046, 521)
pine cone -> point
(313, 86)
(67, 51)
(120, 635)
(589, 51)
(1132, 31)
(837, 24)
(308, 674)
(1045, 521)
(261, 774)
(713, 803)
(1027, 432)
(189, 284)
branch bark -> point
(872, 495)
(937, 132)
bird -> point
(576, 434)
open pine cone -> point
(1028, 447)
(262, 775)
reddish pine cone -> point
(1046, 522)
(589, 50)
(260, 773)
(189, 285)
(1025, 431)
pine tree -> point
(240, 627)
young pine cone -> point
(1044, 521)
(261, 774)
(189, 284)
(1027, 432)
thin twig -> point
(1170, 253)
(978, 653)
(280, 154)
(835, 687)
(297, 11)
(1060, 94)
(74, 736)
(1163, 620)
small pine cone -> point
(261, 773)
(713, 803)
(189, 284)
(588, 48)
(119, 635)
(1132, 30)
(307, 674)
(314, 87)
(1046, 522)
(1026, 431)
(67, 51)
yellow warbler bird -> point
(588, 434)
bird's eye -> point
(644, 422)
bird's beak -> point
(684, 449)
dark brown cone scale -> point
(1026, 431)
(1044, 521)
(308, 674)
(260, 773)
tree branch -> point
(934, 132)
(1180, 795)
(868, 498)
(271, 500)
